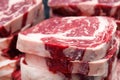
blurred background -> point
(46, 9)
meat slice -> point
(4, 42)
(20, 12)
(41, 72)
(93, 68)
(29, 16)
(8, 44)
(7, 67)
(27, 74)
(109, 8)
(70, 38)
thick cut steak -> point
(8, 44)
(109, 8)
(18, 14)
(71, 38)
(41, 72)
(7, 67)
(93, 68)
(22, 13)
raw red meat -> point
(43, 73)
(93, 68)
(22, 13)
(18, 14)
(7, 67)
(109, 8)
(15, 16)
(71, 38)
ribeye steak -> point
(71, 38)
(17, 14)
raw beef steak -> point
(71, 38)
(109, 8)
(40, 74)
(22, 14)
(7, 67)
(93, 68)
(43, 73)
(17, 14)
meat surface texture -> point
(4, 42)
(70, 38)
(20, 12)
(93, 68)
(7, 67)
(42, 72)
(15, 16)
(109, 8)
(8, 44)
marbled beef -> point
(71, 38)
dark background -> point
(46, 8)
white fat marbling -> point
(41, 73)
(31, 47)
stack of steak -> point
(16, 15)
(69, 48)
(110, 8)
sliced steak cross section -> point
(22, 14)
(109, 8)
(17, 14)
(102, 67)
(7, 67)
(85, 8)
(41, 72)
(71, 38)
